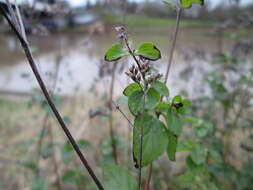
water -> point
(82, 54)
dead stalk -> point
(33, 66)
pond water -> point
(81, 54)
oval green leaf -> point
(132, 88)
(155, 139)
(116, 178)
(161, 88)
(115, 53)
(148, 51)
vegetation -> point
(163, 130)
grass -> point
(139, 21)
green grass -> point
(138, 21)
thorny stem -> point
(49, 100)
(114, 146)
(172, 50)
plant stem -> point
(141, 135)
(172, 50)
(124, 115)
(49, 100)
(150, 169)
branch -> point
(49, 100)
(124, 115)
(172, 50)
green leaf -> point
(132, 88)
(188, 3)
(47, 150)
(83, 143)
(202, 130)
(185, 145)
(135, 102)
(201, 2)
(186, 179)
(177, 99)
(148, 51)
(174, 122)
(163, 107)
(155, 138)
(38, 183)
(172, 147)
(116, 178)
(194, 168)
(73, 176)
(169, 4)
(161, 88)
(115, 53)
(153, 97)
(30, 164)
(198, 154)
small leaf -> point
(177, 99)
(135, 102)
(161, 88)
(152, 99)
(186, 4)
(169, 4)
(148, 51)
(194, 168)
(155, 138)
(115, 53)
(116, 178)
(132, 88)
(187, 179)
(202, 130)
(201, 2)
(163, 107)
(198, 154)
(185, 145)
(174, 122)
(83, 143)
(38, 183)
(172, 147)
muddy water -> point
(80, 55)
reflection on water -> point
(81, 55)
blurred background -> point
(212, 67)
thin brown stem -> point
(150, 169)
(172, 50)
(49, 100)
(123, 114)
